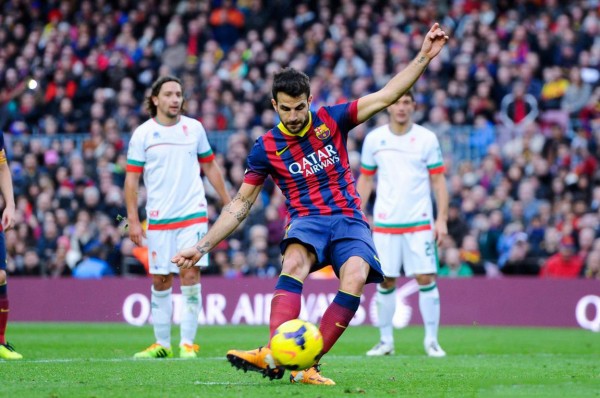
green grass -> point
(94, 360)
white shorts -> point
(415, 252)
(164, 244)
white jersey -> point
(169, 158)
(403, 164)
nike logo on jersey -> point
(280, 152)
(339, 325)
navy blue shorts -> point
(2, 251)
(334, 239)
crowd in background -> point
(518, 86)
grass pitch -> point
(95, 360)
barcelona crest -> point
(322, 132)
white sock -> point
(429, 304)
(386, 307)
(192, 303)
(162, 311)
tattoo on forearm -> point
(421, 60)
(242, 213)
(204, 248)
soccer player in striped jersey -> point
(7, 351)
(306, 156)
(408, 162)
(168, 150)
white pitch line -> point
(223, 383)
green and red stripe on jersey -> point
(311, 168)
(367, 170)
(436, 168)
(178, 222)
(134, 166)
(206, 157)
(401, 228)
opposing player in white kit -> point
(169, 149)
(409, 165)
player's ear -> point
(274, 103)
(309, 100)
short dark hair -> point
(292, 82)
(156, 86)
(410, 94)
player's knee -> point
(2, 277)
(162, 282)
(190, 276)
(353, 275)
(296, 265)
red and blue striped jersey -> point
(311, 167)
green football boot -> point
(155, 351)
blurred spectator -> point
(218, 260)
(57, 265)
(577, 94)
(92, 266)
(457, 227)
(482, 137)
(564, 264)
(592, 266)
(489, 235)
(453, 267)
(227, 22)
(554, 89)
(585, 241)
(32, 265)
(518, 108)
(263, 267)
(519, 261)
(512, 233)
(470, 254)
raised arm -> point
(230, 218)
(372, 103)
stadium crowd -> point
(514, 100)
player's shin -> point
(162, 312)
(337, 317)
(286, 302)
(192, 304)
(429, 305)
(386, 307)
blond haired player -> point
(168, 150)
(408, 162)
